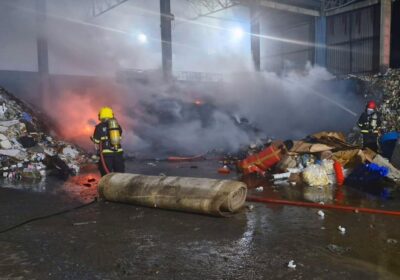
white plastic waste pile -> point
(26, 149)
(315, 175)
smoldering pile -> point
(26, 148)
(384, 88)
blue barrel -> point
(388, 142)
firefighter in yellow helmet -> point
(107, 137)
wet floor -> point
(118, 241)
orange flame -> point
(76, 111)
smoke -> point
(161, 119)
(294, 104)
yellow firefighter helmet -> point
(106, 113)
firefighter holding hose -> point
(107, 138)
(370, 125)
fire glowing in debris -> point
(198, 102)
(76, 111)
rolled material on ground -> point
(198, 195)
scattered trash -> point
(84, 223)
(151, 164)
(342, 229)
(291, 264)
(27, 141)
(70, 152)
(339, 173)
(315, 175)
(392, 172)
(370, 172)
(224, 170)
(26, 149)
(250, 207)
(260, 162)
(321, 213)
(259, 189)
(194, 158)
(395, 159)
(392, 241)
(337, 249)
(281, 176)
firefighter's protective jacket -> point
(101, 136)
(369, 123)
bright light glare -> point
(237, 33)
(142, 38)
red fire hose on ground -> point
(323, 206)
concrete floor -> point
(118, 241)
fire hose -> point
(323, 206)
(103, 162)
(48, 216)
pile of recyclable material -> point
(318, 161)
(27, 150)
(385, 88)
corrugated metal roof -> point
(310, 4)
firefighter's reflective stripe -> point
(108, 151)
(367, 131)
(96, 141)
(104, 138)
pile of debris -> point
(26, 148)
(384, 88)
(321, 159)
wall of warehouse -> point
(353, 41)
(287, 42)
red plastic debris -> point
(339, 173)
(224, 170)
(260, 162)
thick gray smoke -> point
(291, 106)
(161, 119)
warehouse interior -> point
(199, 139)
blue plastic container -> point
(390, 136)
(388, 142)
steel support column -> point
(42, 53)
(385, 29)
(42, 46)
(166, 38)
(255, 36)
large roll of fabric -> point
(198, 195)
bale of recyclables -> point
(197, 195)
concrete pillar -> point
(166, 38)
(385, 29)
(320, 41)
(42, 46)
(42, 53)
(255, 36)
